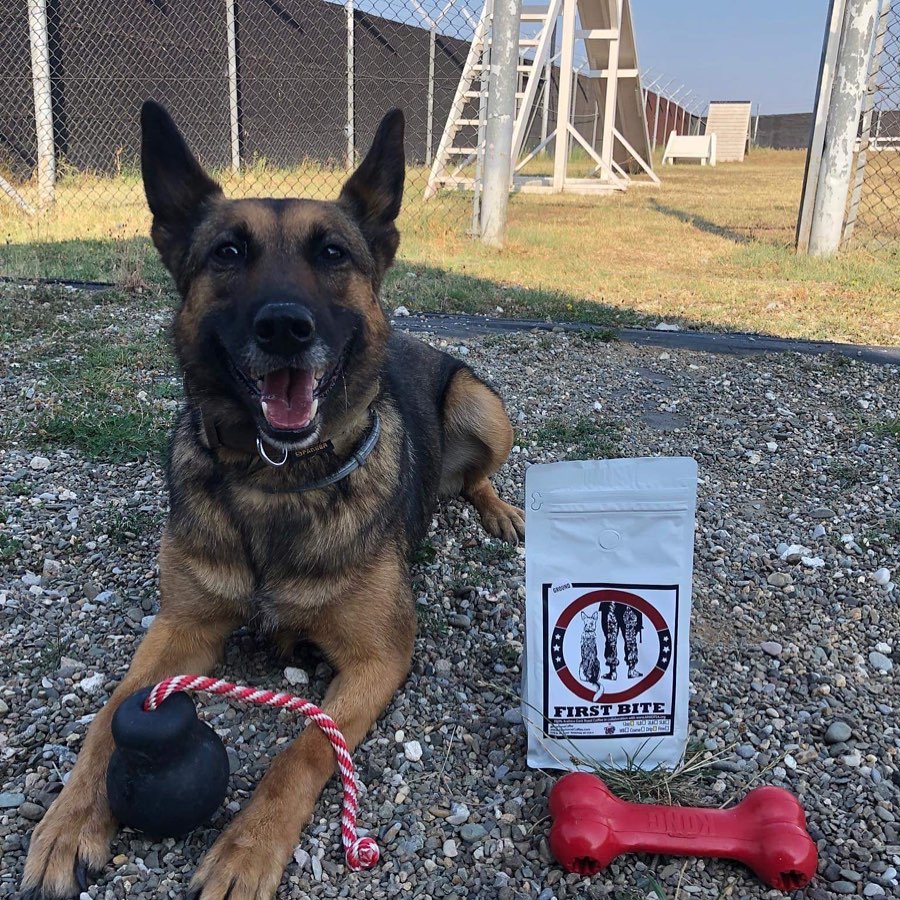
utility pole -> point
(501, 116)
(851, 72)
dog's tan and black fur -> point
(279, 289)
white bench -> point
(688, 146)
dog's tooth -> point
(265, 409)
(314, 409)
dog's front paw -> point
(503, 521)
(245, 863)
(69, 846)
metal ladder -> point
(469, 109)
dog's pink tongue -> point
(287, 398)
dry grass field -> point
(709, 249)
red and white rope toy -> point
(361, 852)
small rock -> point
(838, 733)
(779, 579)
(853, 759)
(818, 532)
(873, 890)
(882, 576)
(472, 832)
(513, 716)
(4, 707)
(39, 463)
(773, 648)
(147, 621)
(401, 312)
(296, 676)
(31, 811)
(449, 849)
(30, 579)
(102, 597)
(301, 857)
(793, 552)
(412, 750)
(812, 562)
(843, 887)
(92, 684)
(880, 661)
(668, 326)
(10, 800)
(822, 512)
(459, 814)
(52, 568)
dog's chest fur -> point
(278, 556)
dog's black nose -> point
(284, 328)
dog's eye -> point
(331, 253)
(229, 252)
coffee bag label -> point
(612, 652)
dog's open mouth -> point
(289, 397)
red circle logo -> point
(618, 611)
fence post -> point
(842, 125)
(43, 101)
(231, 27)
(501, 118)
(564, 95)
(351, 138)
(429, 125)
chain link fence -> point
(873, 211)
(276, 97)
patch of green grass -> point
(846, 475)
(443, 291)
(9, 547)
(104, 435)
(490, 552)
(883, 536)
(125, 525)
(95, 407)
(584, 438)
(647, 886)
(424, 554)
(432, 619)
(639, 782)
(891, 429)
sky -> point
(767, 51)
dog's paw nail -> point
(81, 875)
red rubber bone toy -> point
(766, 831)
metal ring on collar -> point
(261, 450)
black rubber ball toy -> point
(169, 771)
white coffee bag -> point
(608, 563)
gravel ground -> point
(795, 625)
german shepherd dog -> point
(305, 465)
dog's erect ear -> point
(374, 192)
(176, 186)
